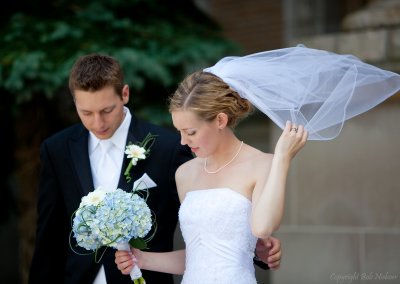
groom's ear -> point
(222, 120)
(125, 94)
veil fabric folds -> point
(316, 88)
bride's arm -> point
(269, 196)
(169, 262)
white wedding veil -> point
(315, 88)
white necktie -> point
(106, 169)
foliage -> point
(157, 43)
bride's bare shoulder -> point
(187, 168)
(257, 156)
(188, 165)
(257, 161)
(184, 176)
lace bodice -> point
(215, 225)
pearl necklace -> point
(220, 168)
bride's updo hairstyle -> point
(207, 95)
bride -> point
(231, 193)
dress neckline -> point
(219, 188)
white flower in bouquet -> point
(94, 197)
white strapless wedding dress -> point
(215, 225)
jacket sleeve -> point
(50, 251)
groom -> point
(69, 171)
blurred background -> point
(342, 219)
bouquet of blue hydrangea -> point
(113, 219)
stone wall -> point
(372, 34)
(379, 46)
(342, 220)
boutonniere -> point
(138, 151)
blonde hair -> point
(207, 95)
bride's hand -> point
(293, 138)
(126, 260)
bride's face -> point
(198, 134)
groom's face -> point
(102, 111)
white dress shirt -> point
(116, 153)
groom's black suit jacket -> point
(66, 177)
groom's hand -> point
(269, 251)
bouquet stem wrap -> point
(136, 274)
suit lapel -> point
(136, 171)
(80, 158)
